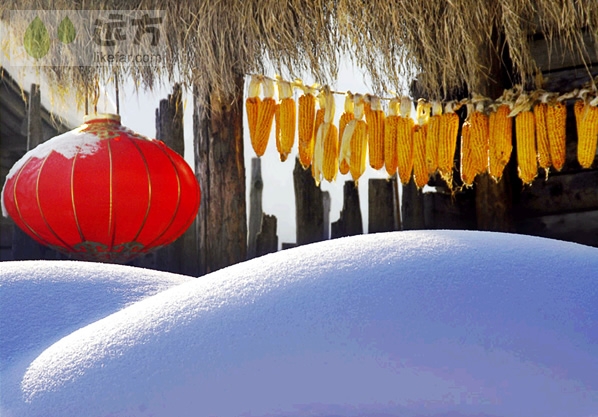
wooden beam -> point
(255, 206)
(266, 239)
(350, 222)
(383, 214)
(412, 207)
(220, 168)
(309, 206)
(23, 246)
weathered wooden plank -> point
(350, 222)
(326, 219)
(578, 227)
(23, 246)
(181, 256)
(412, 207)
(383, 215)
(220, 167)
(255, 206)
(494, 203)
(267, 239)
(550, 56)
(309, 206)
(559, 194)
(446, 211)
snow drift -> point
(427, 323)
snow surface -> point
(43, 301)
(422, 323)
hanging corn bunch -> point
(480, 126)
(405, 141)
(542, 142)
(346, 117)
(556, 122)
(260, 113)
(354, 141)
(586, 118)
(447, 142)
(390, 137)
(420, 170)
(307, 116)
(500, 139)
(285, 120)
(525, 137)
(374, 116)
(433, 138)
(325, 162)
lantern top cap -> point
(101, 117)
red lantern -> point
(102, 192)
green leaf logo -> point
(66, 31)
(36, 40)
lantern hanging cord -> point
(116, 93)
(96, 95)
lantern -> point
(102, 192)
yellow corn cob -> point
(319, 121)
(479, 132)
(355, 140)
(326, 146)
(265, 116)
(359, 143)
(500, 140)
(420, 171)
(432, 139)
(375, 120)
(307, 115)
(542, 143)
(586, 117)
(556, 121)
(467, 167)
(525, 136)
(346, 117)
(285, 120)
(390, 137)
(283, 156)
(405, 141)
(330, 162)
(252, 105)
(447, 144)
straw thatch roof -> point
(445, 44)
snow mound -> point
(43, 301)
(426, 323)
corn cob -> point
(354, 140)
(405, 141)
(479, 139)
(542, 142)
(346, 117)
(307, 115)
(586, 117)
(252, 105)
(326, 146)
(285, 120)
(390, 137)
(318, 122)
(556, 122)
(447, 143)
(375, 119)
(265, 117)
(432, 139)
(467, 166)
(526, 146)
(420, 170)
(500, 140)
